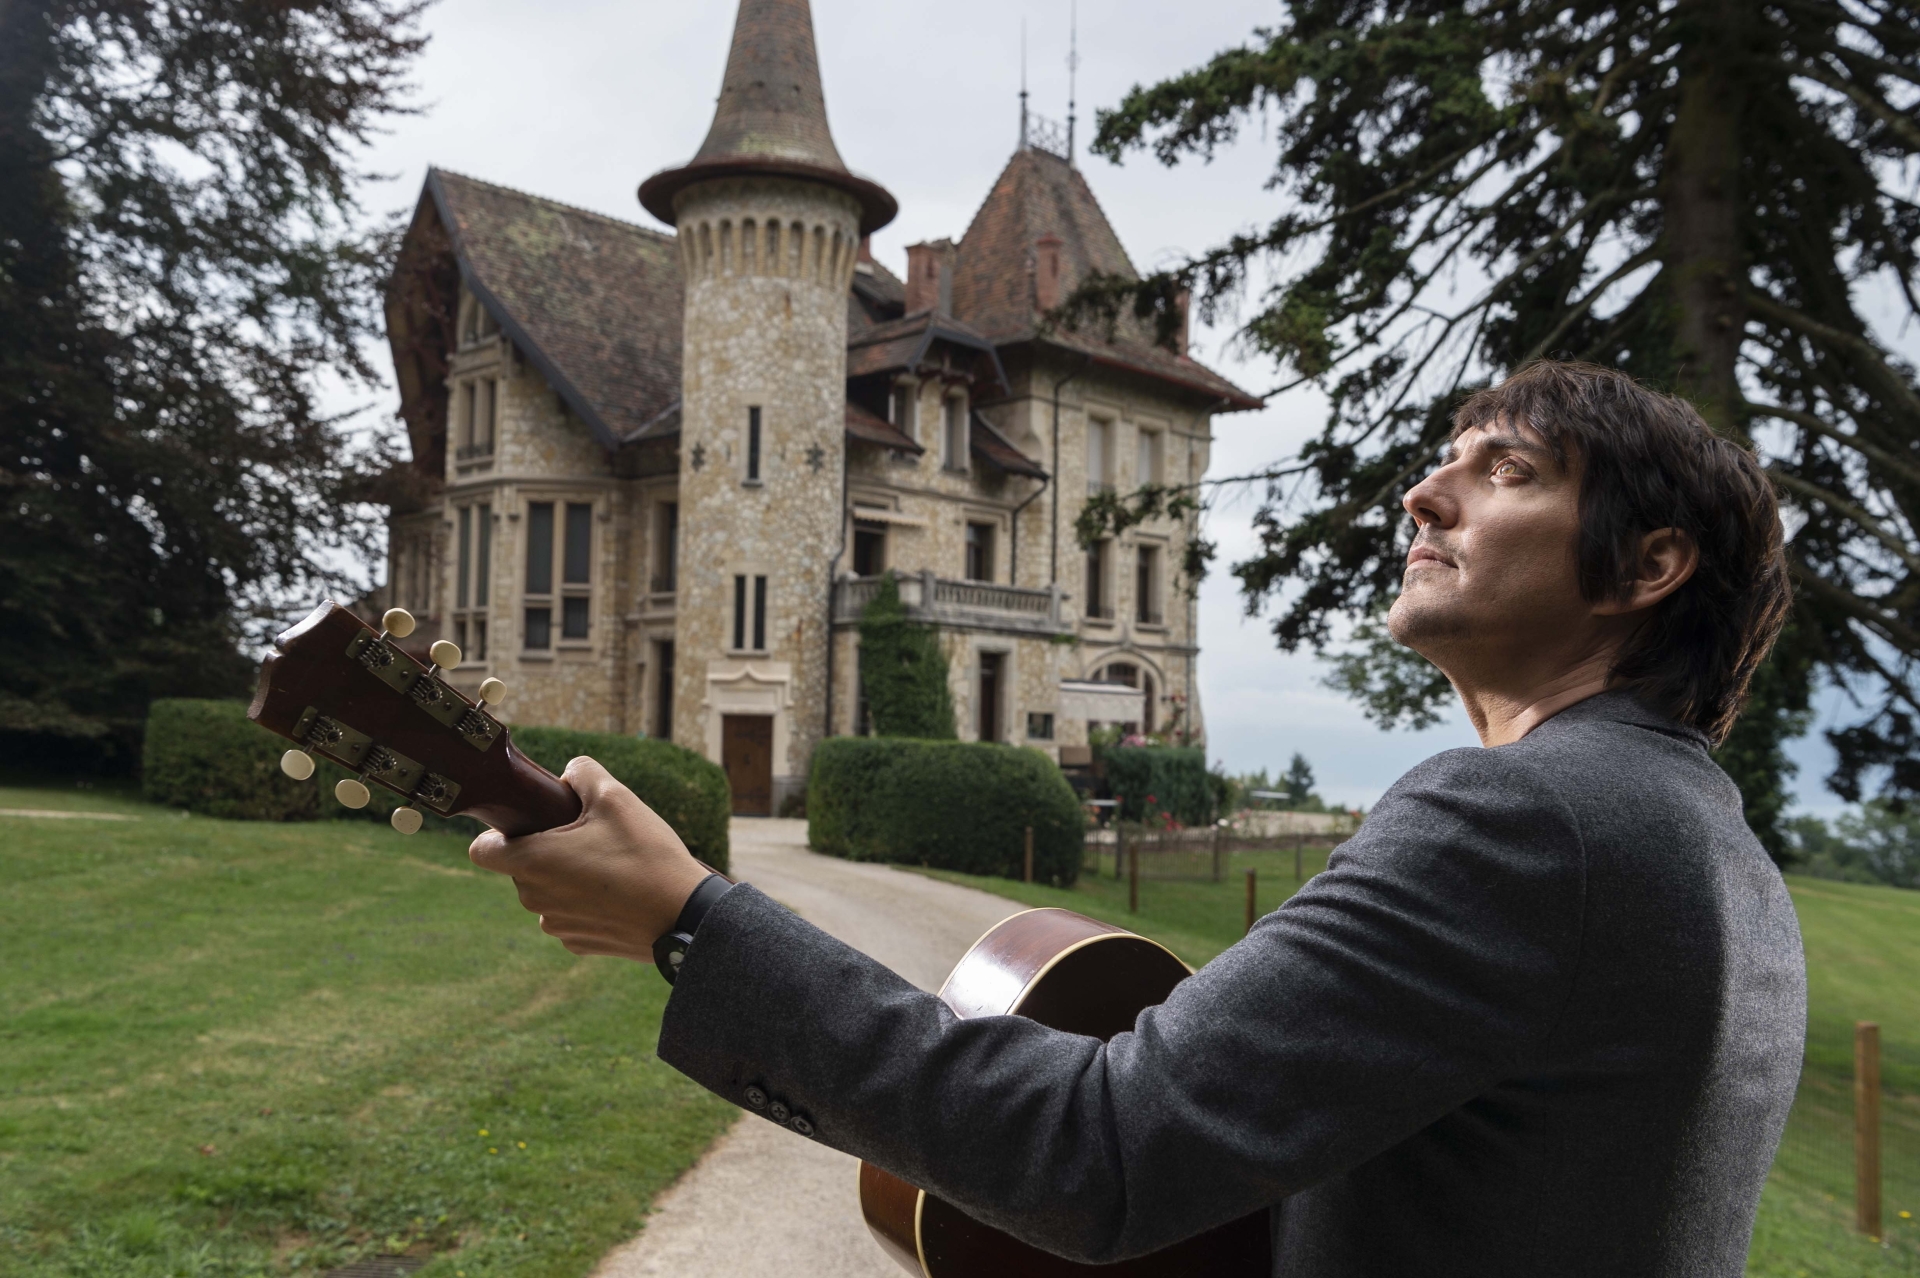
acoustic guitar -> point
(1077, 974)
(339, 688)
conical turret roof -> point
(772, 117)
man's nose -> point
(1429, 503)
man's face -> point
(1493, 572)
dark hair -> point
(1649, 462)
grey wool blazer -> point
(1542, 1016)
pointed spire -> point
(771, 118)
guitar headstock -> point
(338, 687)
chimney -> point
(930, 277)
(1047, 271)
(1183, 302)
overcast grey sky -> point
(581, 100)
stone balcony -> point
(960, 605)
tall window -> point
(992, 668)
(666, 547)
(1099, 597)
(979, 552)
(749, 613)
(1151, 463)
(1099, 455)
(1146, 586)
(753, 445)
(663, 690)
(955, 432)
(869, 548)
(901, 410)
(574, 549)
(473, 575)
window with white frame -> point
(1150, 466)
(749, 613)
(476, 409)
(559, 573)
(1099, 455)
(900, 409)
(473, 576)
(954, 432)
(1147, 607)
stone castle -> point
(656, 476)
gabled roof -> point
(869, 429)
(591, 301)
(907, 343)
(998, 451)
(1038, 195)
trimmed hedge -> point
(957, 805)
(206, 757)
(690, 793)
(1174, 777)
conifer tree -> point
(180, 255)
(1708, 194)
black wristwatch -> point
(671, 949)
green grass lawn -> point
(233, 1049)
(1863, 963)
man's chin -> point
(1420, 622)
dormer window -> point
(476, 322)
(900, 410)
(954, 439)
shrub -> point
(690, 793)
(207, 757)
(902, 670)
(1174, 777)
(958, 805)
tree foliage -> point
(180, 256)
(1706, 194)
(903, 672)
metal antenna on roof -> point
(1023, 84)
(1073, 66)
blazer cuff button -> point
(757, 1097)
(779, 1112)
(801, 1125)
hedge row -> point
(957, 805)
(207, 757)
(1175, 778)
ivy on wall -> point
(902, 670)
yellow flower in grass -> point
(1906, 1215)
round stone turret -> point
(769, 223)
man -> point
(1541, 1017)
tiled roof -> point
(998, 451)
(592, 301)
(905, 342)
(868, 429)
(1037, 195)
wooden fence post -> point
(1249, 900)
(1216, 853)
(1119, 848)
(1029, 878)
(1866, 1128)
(1133, 877)
(1299, 842)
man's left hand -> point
(613, 882)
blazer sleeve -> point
(1428, 962)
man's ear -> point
(1667, 558)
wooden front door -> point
(746, 752)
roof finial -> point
(1073, 66)
(1023, 84)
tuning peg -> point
(352, 794)
(491, 690)
(445, 652)
(406, 820)
(398, 621)
(297, 764)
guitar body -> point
(1072, 973)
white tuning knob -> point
(406, 820)
(445, 652)
(297, 764)
(352, 794)
(398, 621)
(491, 690)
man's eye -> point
(1508, 467)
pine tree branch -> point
(1905, 469)
(1891, 629)
(1905, 129)
(1841, 506)
(1760, 304)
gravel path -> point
(764, 1203)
